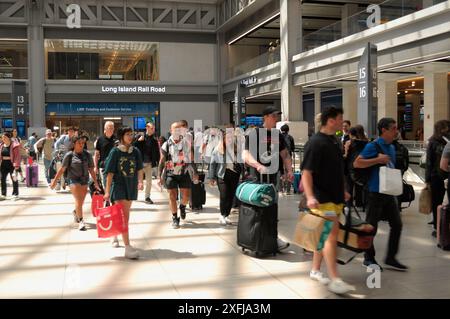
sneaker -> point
(131, 252)
(372, 264)
(434, 234)
(175, 222)
(228, 220)
(2, 197)
(183, 212)
(15, 197)
(339, 287)
(75, 217)
(115, 242)
(319, 276)
(81, 225)
(148, 200)
(282, 244)
(394, 264)
(222, 220)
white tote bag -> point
(391, 182)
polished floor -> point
(43, 255)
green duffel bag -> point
(261, 195)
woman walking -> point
(124, 171)
(76, 166)
(225, 170)
(10, 164)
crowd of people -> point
(125, 163)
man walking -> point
(148, 145)
(382, 206)
(323, 182)
(266, 153)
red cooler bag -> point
(111, 221)
(97, 202)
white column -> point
(317, 102)
(36, 65)
(436, 100)
(350, 103)
(290, 33)
(387, 99)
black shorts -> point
(178, 181)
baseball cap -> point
(271, 109)
(48, 131)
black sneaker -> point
(394, 264)
(175, 222)
(372, 264)
(183, 212)
(148, 200)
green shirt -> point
(125, 167)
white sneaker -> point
(81, 225)
(15, 197)
(319, 276)
(282, 244)
(115, 242)
(2, 197)
(339, 287)
(228, 220)
(131, 252)
(222, 220)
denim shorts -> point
(78, 181)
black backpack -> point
(360, 176)
(401, 157)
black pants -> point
(227, 188)
(437, 195)
(384, 207)
(6, 169)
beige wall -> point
(187, 62)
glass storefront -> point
(13, 59)
(91, 117)
(102, 60)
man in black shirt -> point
(103, 146)
(149, 147)
(323, 183)
(266, 152)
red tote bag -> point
(111, 221)
(97, 202)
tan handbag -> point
(425, 206)
(312, 231)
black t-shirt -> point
(323, 157)
(6, 151)
(104, 145)
(266, 151)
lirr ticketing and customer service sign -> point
(367, 90)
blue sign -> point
(102, 109)
(5, 109)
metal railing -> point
(260, 61)
(389, 10)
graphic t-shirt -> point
(125, 167)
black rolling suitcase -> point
(257, 229)
(198, 193)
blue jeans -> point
(46, 167)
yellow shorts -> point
(329, 209)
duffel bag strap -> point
(341, 262)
